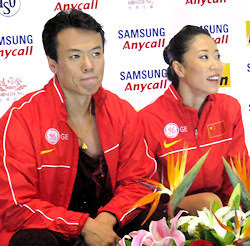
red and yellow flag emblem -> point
(216, 129)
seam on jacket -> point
(5, 164)
(4, 143)
(201, 146)
(106, 151)
(48, 218)
(54, 166)
(57, 90)
(221, 141)
(127, 214)
(176, 98)
(152, 158)
(155, 169)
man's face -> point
(80, 64)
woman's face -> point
(202, 67)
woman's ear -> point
(178, 68)
(52, 65)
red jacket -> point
(219, 128)
(39, 158)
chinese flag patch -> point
(216, 129)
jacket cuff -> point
(82, 222)
(122, 218)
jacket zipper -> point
(196, 133)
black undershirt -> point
(91, 189)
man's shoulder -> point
(38, 100)
(113, 100)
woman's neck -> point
(192, 99)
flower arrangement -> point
(160, 233)
(239, 172)
(227, 225)
(217, 226)
(179, 184)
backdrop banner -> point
(136, 33)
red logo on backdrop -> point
(140, 4)
(11, 84)
(219, 32)
(216, 129)
(11, 89)
(202, 2)
(148, 38)
(91, 4)
(16, 40)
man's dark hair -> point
(67, 19)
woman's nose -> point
(216, 64)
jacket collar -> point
(174, 96)
(58, 95)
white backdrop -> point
(136, 33)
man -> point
(71, 152)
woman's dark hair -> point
(177, 48)
(67, 19)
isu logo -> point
(9, 8)
(52, 136)
(171, 130)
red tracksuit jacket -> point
(39, 158)
(218, 128)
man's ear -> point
(178, 68)
(52, 65)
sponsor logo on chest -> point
(172, 130)
(52, 136)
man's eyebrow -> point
(78, 50)
(73, 50)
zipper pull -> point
(196, 132)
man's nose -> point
(87, 64)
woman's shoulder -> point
(225, 97)
(155, 106)
(225, 101)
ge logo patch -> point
(171, 130)
(9, 8)
(52, 136)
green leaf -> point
(208, 235)
(128, 242)
(235, 197)
(187, 181)
(228, 239)
(215, 206)
(244, 197)
(246, 224)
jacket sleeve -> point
(21, 206)
(135, 161)
(236, 148)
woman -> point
(192, 111)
